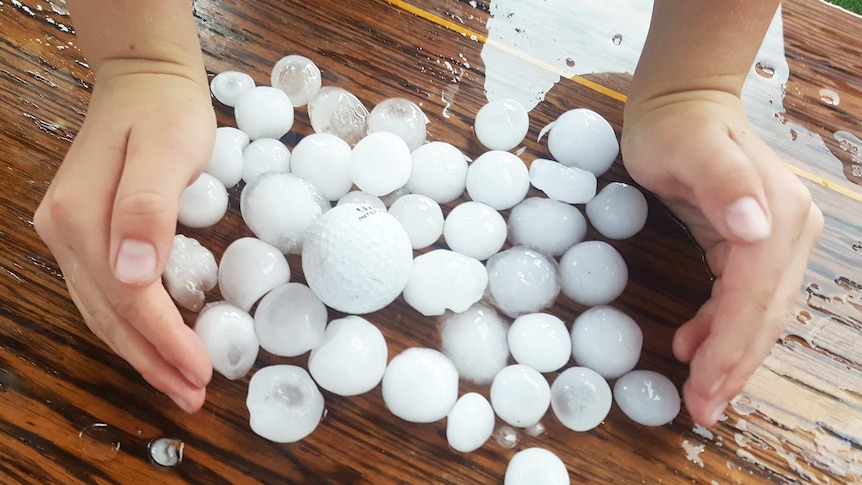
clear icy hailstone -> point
(356, 258)
(203, 203)
(226, 161)
(264, 112)
(522, 280)
(290, 320)
(619, 211)
(227, 332)
(647, 397)
(439, 171)
(323, 160)
(420, 385)
(298, 77)
(191, 271)
(502, 124)
(470, 423)
(352, 358)
(279, 207)
(229, 85)
(583, 138)
(362, 198)
(393, 196)
(380, 163)
(581, 398)
(166, 452)
(505, 436)
(593, 273)
(443, 279)
(536, 466)
(401, 117)
(249, 269)
(337, 111)
(284, 404)
(475, 341)
(264, 155)
(540, 341)
(546, 225)
(559, 182)
(520, 395)
(421, 217)
(607, 341)
(474, 229)
(499, 179)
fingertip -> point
(703, 410)
(746, 219)
(189, 401)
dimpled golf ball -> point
(475, 341)
(559, 182)
(581, 398)
(502, 124)
(401, 117)
(289, 320)
(324, 160)
(443, 279)
(647, 397)
(522, 280)
(607, 341)
(421, 217)
(420, 385)
(249, 269)
(439, 171)
(380, 163)
(540, 341)
(227, 333)
(499, 179)
(284, 404)
(351, 359)
(191, 271)
(203, 203)
(546, 225)
(474, 229)
(298, 77)
(264, 155)
(618, 211)
(520, 395)
(535, 466)
(337, 111)
(226, 161)
(593, 273)
(264, 112)
(227, 86)
(470, 423)
(583, 138)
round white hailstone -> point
(191, 271)
(647, 397)
(324, 160)
(352, 358)
(226, 161)
(279, 207)
(520, 395)
(546, 225)
(227, 86)
(401, 117)
(290, 320)
(249, 269)
(420, 385)
(284, 404)
(380, 163)
(421, 217)
(439, 171)
(470, 423)
(337, 111)
(593, 273)
(443, 279)
(499, 179)
(264, 155)
(581, 398)
(357, 258)
(264, 112)
(203, 203)
(298, 77)
(227, 332)
(619, 211)
(559, 182)
(583, 138)
(474, 229)
(540, 341)
(475, 341)
(607, 341)
(522, 280)
(536, 466)
(393, 196)
(502, 124)
(360, 197)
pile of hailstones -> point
(358, 256)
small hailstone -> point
(393, 196)
(227, 86)
(439, 171)
(264, 112)
(499, 179)
(284, 404)
(227, 332)
(249, 269)
(362, 198)
(474, 229)
(536, 466)
(337, 111)
(380, 163)
(470, 423)
(420, 385)
(559, 182)
(298, 77)
(443, 279)
(352, 358)
(581, 398)
(421, 217)
(502, 124)
(166, 452)
(647, 397)
(520, 395)
(475, 341)
(522, 280)
(540, 341)
(607, 341)
(226, 161)
(619, 211)
(583, 138)
(505, 436)
(401, 117)
(546, 225)
(324, 160)
(191, 271)
(290, 320)
(264, 155)
(593, 273)
(203, 203)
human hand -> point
(753, 218)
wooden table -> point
(72, 412)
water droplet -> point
(830, 97)
(617, 39)
(99, 442)
(570, 62)
(8, 380)
(793, 134)
(506, 436)
(166, 452)
(764, 71)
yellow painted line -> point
(829, 185)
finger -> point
(690, 335)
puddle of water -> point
(99, 442)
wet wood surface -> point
(72, 412)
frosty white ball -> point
(647, 397)
(520, 395)
(352, 358)
(264, 155)
(203, 203)
(227, 86)
(264, 112)
(290, 320)
(593, 273)
(421, 217)
(362, 198)
(439, 171)
(540, 341)
(606, 340)
(337, 111)
(581, 398)
(535, 466)
(559, 182)
(420, 385)
(249, 269)
(546, 225)
(324, 160)
(470, 423)
(522, 280)
(443, 279)
(502, 124)
(284, 404)
(474, 229)
(499, 179)
(619, 211)
(583, 138)
(401, 117)
(475, 341)
(298, 77)
(356, 258)
(191, 271)
(227, 333)
(380, 163)
(226, 161)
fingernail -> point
(193, 379)
(136, 262)
(718, 412)
(182, 403)
(746, 220)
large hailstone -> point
(647, 397)
(520, 395)
(290, 320)
(540, 341)
(401, 117)
(227, 86)
(475, 341)
(607, 341)
(593, 273)
(352, 358)
(226, 161)
(619, 211)
(284, 404)
(502, 124)
(499, 179)
(191, 271)
(559, 182)
(264, 155)
(380, 163)
(264, 112)
(439, 171)
(324, 160)
(536, 466)
(547, 225)
(470, 423)
(249, 269)
(474, 229)
(227, 333)
(421, 217)
(203, 203)
(298, 77)
(581, 398)
(522, 280)
(443, 280)
(337, 111)
(583, 138)
(420, 385)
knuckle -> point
(143, 204)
